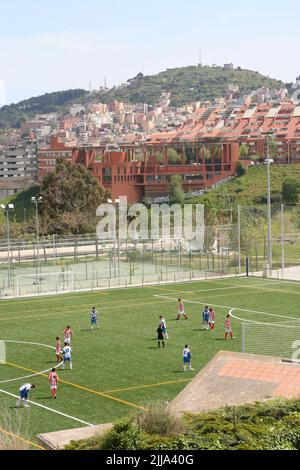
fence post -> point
(243, 337)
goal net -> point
(281, 340)
(43, 283)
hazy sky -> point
(53, 45)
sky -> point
(56, 45)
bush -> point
(240, 169)
(291, 191)
(157, 419)
(125, 435)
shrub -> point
(158, 419)
(240, 169)
(125, 435)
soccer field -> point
(118, 369)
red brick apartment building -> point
(207, 146)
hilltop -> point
(186, 84)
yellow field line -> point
(90, 390)
(146, 386)
(21, 439)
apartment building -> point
(18, 168)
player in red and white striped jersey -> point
(53, 382)
(68, 335)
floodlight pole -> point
(36, 202)
(8, 248)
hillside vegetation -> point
(11, 116)
(189, 84)
(186, 84)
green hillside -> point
(11, 116)
(186, 84)
(189, 84)
(250, 189)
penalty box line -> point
(86, 389)
(230, 308)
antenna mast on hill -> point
(105, 83)
(200, 58)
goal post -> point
(2, 352)
(281, 340)
(43, 283)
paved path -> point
(237, 379)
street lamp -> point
(36, 201)
(8, 208)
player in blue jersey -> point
(205, 318)
(94, 318)
(24, 392)
(67, 356)
(186, 354)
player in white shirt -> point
(163, 326)
(24, 392)
(67, 356)
(186, 354)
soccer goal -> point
(2, 352)
(44, 283)
(281, 340)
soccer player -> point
(205, 317)
(24, 392)
(94, 318)
(187, 358)
(181, 311)
(160, 336)
(68, 335)
(212, 319)
(227, 327)
(53, 381)
(58, 350)
(67, 356)
(163, 326)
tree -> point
(71, 195)
(176, 190)
(240, 169)
(173, 157)
(243, 151)
(291, 191)
(273, 150)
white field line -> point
(31, 375)
(230, 307)
(48, 409)
(246, 320)
(253, 286)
